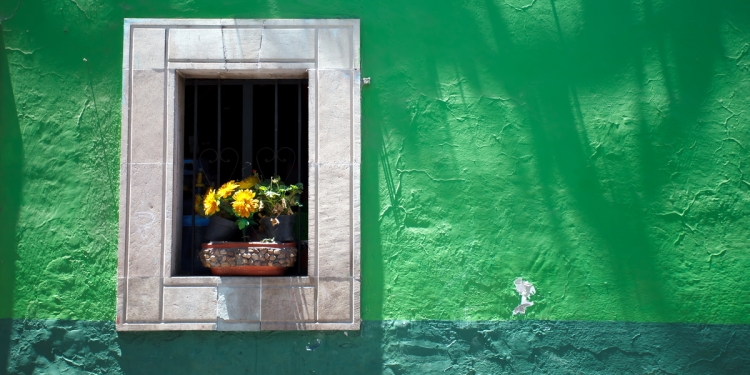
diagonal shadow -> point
(546, 75)
(11, 159)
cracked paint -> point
(12, 14)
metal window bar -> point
(246, 160)
(194, 175)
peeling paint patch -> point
(525, 289)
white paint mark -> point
(525, 289)
(144, 219)
(221, 307)
(311, 347)
(145, 230)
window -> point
(161, 59)
(232, 128)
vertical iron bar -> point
(299, 131)
(218, 138)
(299, 173)
(247, 129)
(275, 126)
(195, 171)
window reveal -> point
(235, 127)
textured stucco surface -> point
(595, 148)
(389, 347)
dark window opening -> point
(235, 127)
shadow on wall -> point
(601, 183)
(371, 252)
(11, 157)
(280, 352)
(615, 202)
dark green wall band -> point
(388, 347)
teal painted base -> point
(390, 347)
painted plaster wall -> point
(387, 347)
(598, 149)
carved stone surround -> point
(158, 55)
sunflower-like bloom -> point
(249, 182)
(227, 189)
(210, 203)
(244, 203)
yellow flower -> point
(227, 189)
(244, 204)
(249, 182)
(198, 203)
(243, 195)
(210, 203)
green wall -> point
(596, 148)
(387, 347)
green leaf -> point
(242, 223)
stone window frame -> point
(158, 55)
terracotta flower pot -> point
(248, 258)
